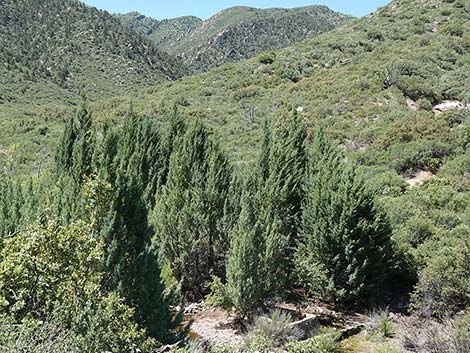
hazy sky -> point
(161, 9)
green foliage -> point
(443, 286)
(267, 57)
(219, 295)
(282, 169)
(190, 209)
(380, 323)
(64, 256)
(244, 262)
(258, 342)
(63, 306)
(321, 344)
(276, 328)
(343, 230)
(387, 348)
(235, 34)
(461, 336)
(75, 151)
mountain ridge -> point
(234, 34)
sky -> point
(161, 9)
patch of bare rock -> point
(419, 178)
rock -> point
(350, 330)
(419, 178)
(449, 105)
(193, 308)
(411, 104)
(308, 326)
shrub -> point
(416, 87)
(319, 344)
(443, 286)
(380, 323)
(424, 104)
(310, 274)
(432, 336)
(461, 334)
(386, 348)
(220, 295)
(267, 57)
(258, 342)
(277, 327)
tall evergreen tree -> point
(131, 262)
(282, 197)
(244, 268)
(190, 208)
(74, 154)
(344, 233)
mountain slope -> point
(234, 34)
(373, 82)
(78, 48)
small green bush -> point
(461, 334)
(387, 348)
(318, 344)
(424, 104)
(380, 323)
(258, 342)
(277, 327)
(443, 286)
(267, 57)
(219, 295)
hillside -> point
(234, 34)
(392, 89)
(359, 80)
(310, 199)
(54, 51)
(77, 48)
(165, 34)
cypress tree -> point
(126, 232)
(190, 209)
(83, 147)
(64, 153)
(75, 151)
(244, 268)
(131, 262)
(282, 198)
(344, 233)
(263, 161)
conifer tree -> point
(244, 268)
(131, 262)
(126, 234)
(344, 233)
(74, 154)
(190, 209)
(64, 153)
(83, 147)
(282, 197)
(263, 160)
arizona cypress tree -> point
(282, 198)
(344, 233)
(152, 307)
(244, 268)
(190, 208)
(263, 161)
(126, 234)
(83, 147)
(74, 154)
(131, 261)
(64, 153)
